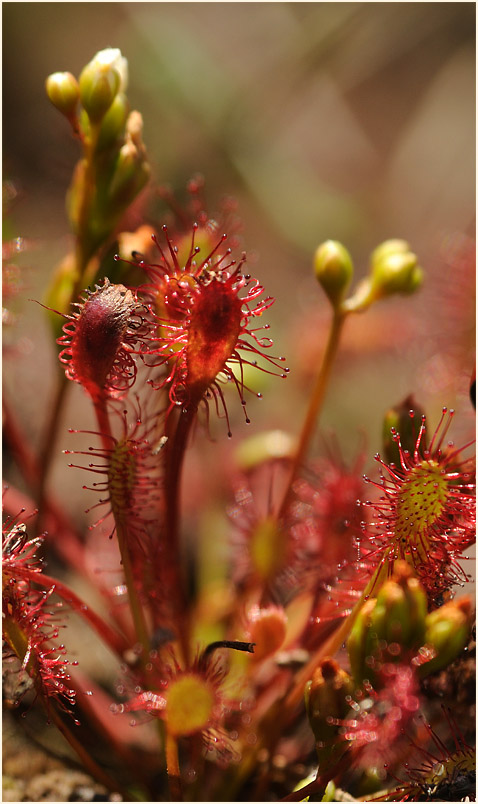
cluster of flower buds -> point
(114, 166)
(389, 625)
(393, 269)
(395, 626)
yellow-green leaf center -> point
(189, 704)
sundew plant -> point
(310, 639)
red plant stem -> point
(59, 532)
(59, 535)
(136, 608)
(50, 434)
(112, 638)
(315, 404)
(91, 766)
(70, 545)
(95, 704)
(176, 582)
(172, 764)
(19, 445)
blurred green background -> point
(353, 121)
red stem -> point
(19, 446)
(70, 546)
(315, 405)
(175, 579)
(89, 763)
(112, 638)
(95, 703)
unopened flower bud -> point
(101, 80)
(360, 645)
(327, 697)
(63, 91)
(132, 172)
(447, 633)
(404, 419)
(334, 269)
(394, 269)
(389, 625)
(388, 247)
(111, 57)
(134, 128)
(398, 617)
(113, 123)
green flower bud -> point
(447, 633)
(361, 644)
(113, 124)
(327, 697)
(394, 246)
(334, 269)
(402, 422)
(101, 80)
(63, 91)
(400, 610)
(132, 169)
(130, 175)
(388, 625)
(394, 269)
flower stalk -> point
(316, 401)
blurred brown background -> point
(353, 121)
